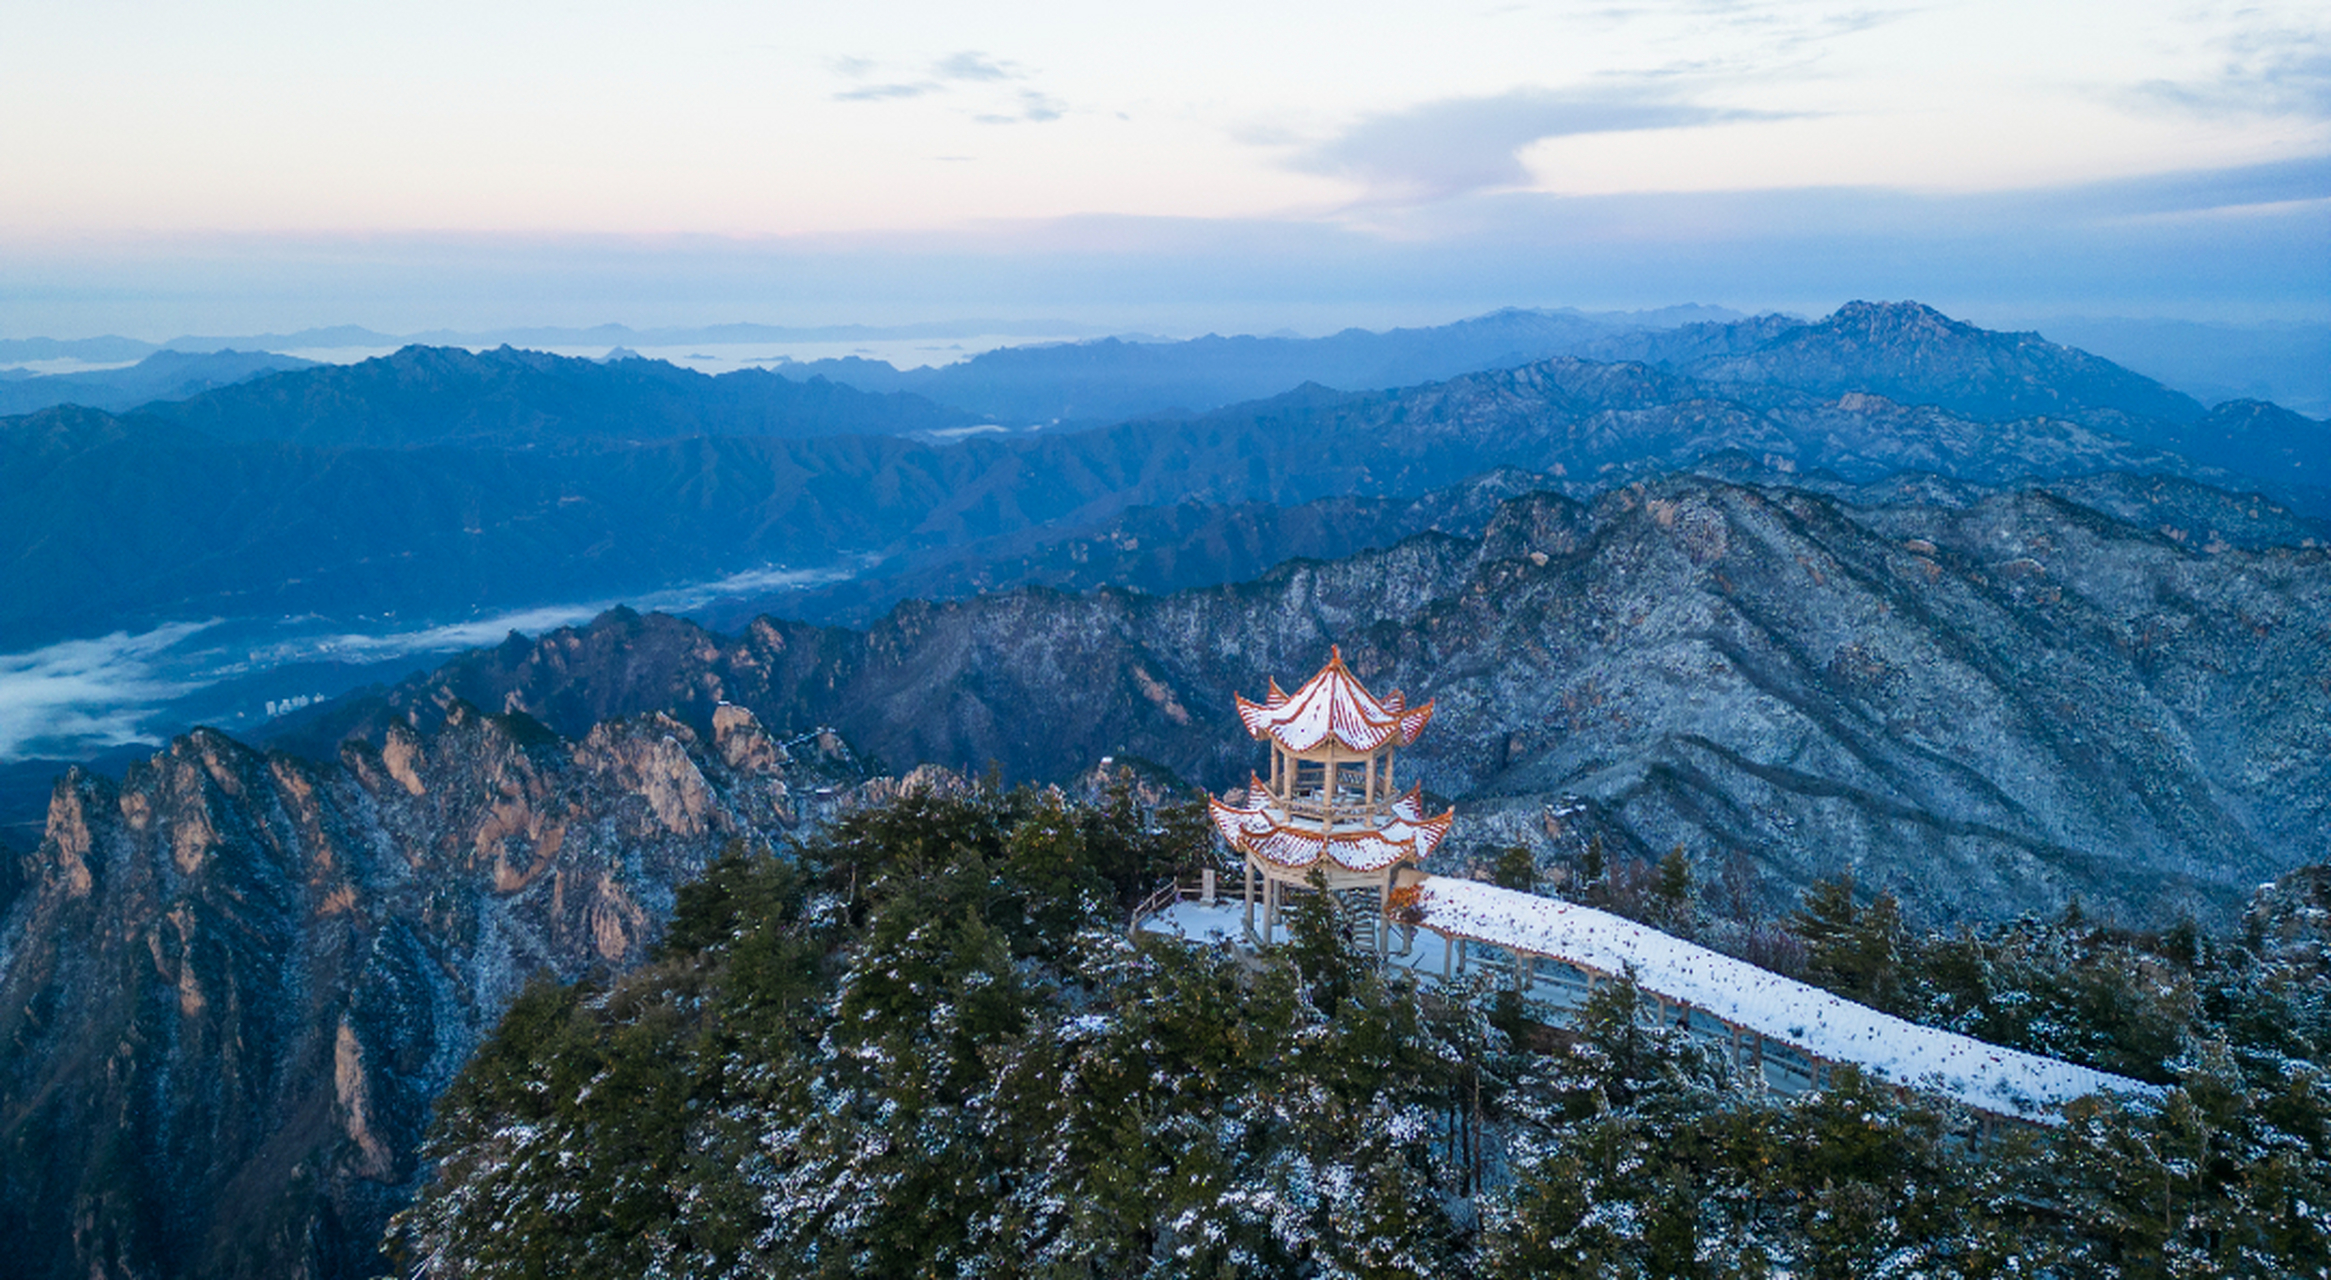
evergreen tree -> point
(1671, 893)
(1593, 872)
(1853, 950)
(1516, 868)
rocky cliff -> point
(2115, 690)
(233, 983)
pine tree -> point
(1592, 872)
(1852, 950)
(1671, 894)
(1516, 868)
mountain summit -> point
(1912, 353)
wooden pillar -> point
(1327, 790)
(1250, 896)
(1383, 919)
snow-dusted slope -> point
(2000, 1080)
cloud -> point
(85, 693)
(475, 632)
(80, 696)
(964, 68)
(2262, 71)
(1032, 107)
(1441, 149)
(970, 64)
(880, 92)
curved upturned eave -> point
(1333, 705)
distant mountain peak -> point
(1907, 319)
(1913, 354)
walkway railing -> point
(1171, 892)
(1784, 1041)
(1555, 989)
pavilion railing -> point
(1166, 895)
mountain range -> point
(2048, 693)
(507, 398)
(233, 982)
(237, 981)
(1884, 594)
(436, 484)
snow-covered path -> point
(1557, 951)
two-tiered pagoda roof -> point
(1341, 813)
(1333, 704)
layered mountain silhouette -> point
(1114, 378)
(438, 483)
(164, 375)
(1904, 351)
(423, 396)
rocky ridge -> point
(2007, 698)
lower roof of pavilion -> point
(1291, 845)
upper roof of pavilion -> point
(1333, 704)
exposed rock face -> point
(2290, 919)
(236, 981)
(1992, 702)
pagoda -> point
(1329, 812)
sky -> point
(240, 167)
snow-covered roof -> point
(1403, 834)
(1987, 1076)
(1333, 704)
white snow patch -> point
(1987, 1076)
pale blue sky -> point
(235, 167)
